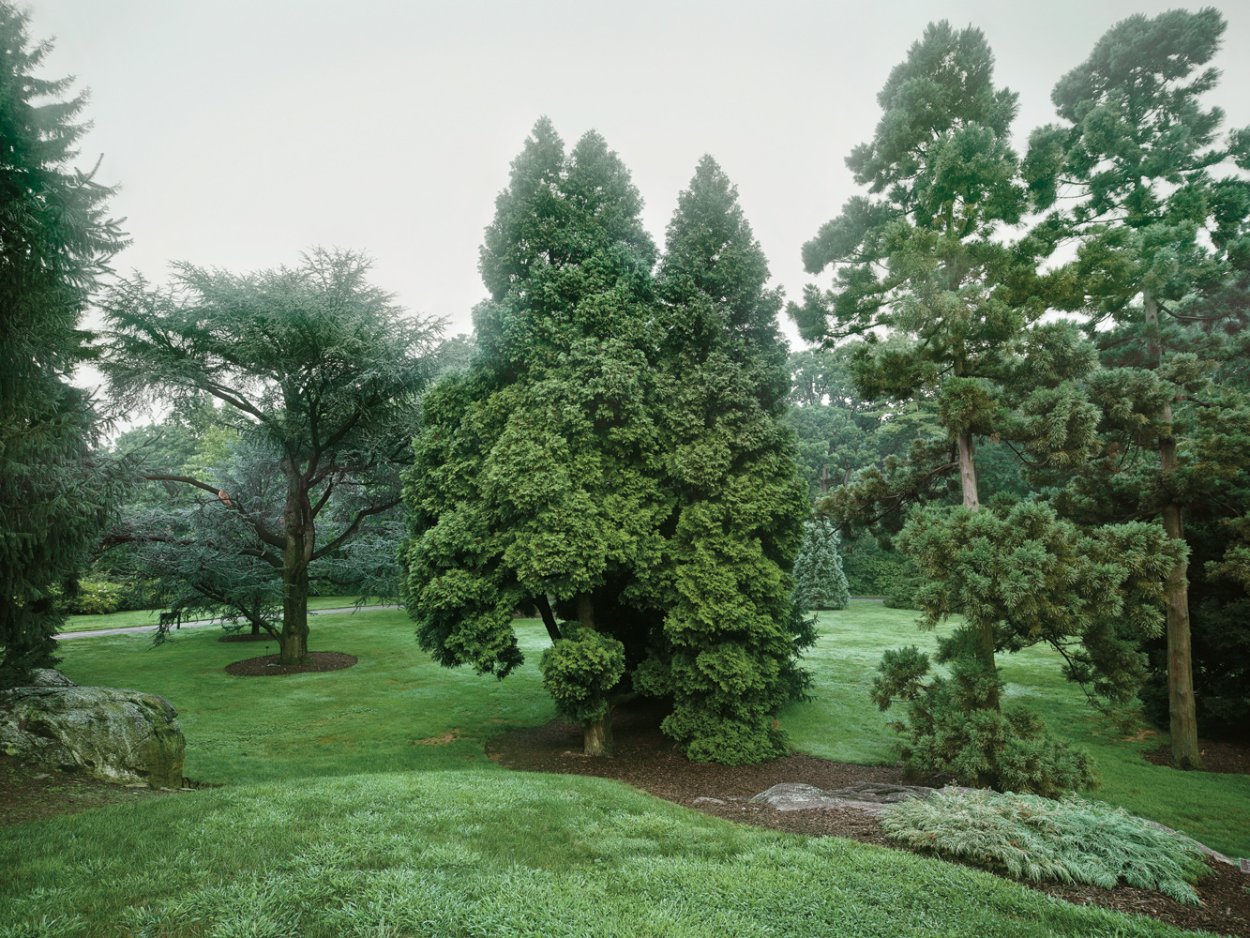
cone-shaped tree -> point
(731, 632)
(1164, 253)
(819, 582)
(536, 481)
(55, 239)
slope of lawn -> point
(332, 822)
(843, 724)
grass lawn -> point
(359, 802)
(122, 620)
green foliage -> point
(953, 734)
(317, 373)
(580, 670)
(55, 242)
(93, 598)
(615, 449)
(819, 582)
(1031, 838)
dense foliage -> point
(946, 312)
(614, 454)
(819, 582)
(317, 372)
(1031, 838)
(55, 240)
(1159, 206)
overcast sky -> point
(244, 132)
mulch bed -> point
(1218, 755)
(646, 759)
(267, 665)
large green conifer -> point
(55, 239)
(1160, 216)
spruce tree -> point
(1160, 217)
(55, 240)
(819, 580)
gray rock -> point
(121, 736)
(49, 677)
(869, 798)
(704, 799)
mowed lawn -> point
(135, 617)
(360, 802)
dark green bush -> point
(580, 670)
(1031, 838)
(953, 734)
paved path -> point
(199, 623)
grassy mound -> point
(1027, 837)
(484, 852)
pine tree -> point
(1164, 252)
(819, 580)
(946, 309)
(55, 240)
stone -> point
(868, 798)
(121, 736)
(49, 677)
(704, 799)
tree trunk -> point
(294, 641)
(1182, 709)
(549, 618)
(597, 734)
(972, 501)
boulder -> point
(870, 797)
(122, 736)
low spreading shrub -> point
(1033, 838)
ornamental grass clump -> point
(1033, 838)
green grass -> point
(843, 724)
(361, 802)
(133, 617)
(485, 853)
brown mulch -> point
(267, 665)
(29, 793)
(1218, 755)
(646, 759)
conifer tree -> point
(55, 240)
(1164, 250)
(614, 457)
(819, 580)
(946, 309)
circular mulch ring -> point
(232, 637)
(647, 759)
(1218, 755)
(267, 665)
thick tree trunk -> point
(597, 734)
(1182, 709)
(972, 501)
(294, 641)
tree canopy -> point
(318, 372)
(613, 457)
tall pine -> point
(1145, 187)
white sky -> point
(244, 132)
